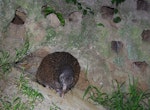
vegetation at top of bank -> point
(117, 2)
(49, 10)
(85, 10)
(117, 19)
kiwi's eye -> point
(61, 77)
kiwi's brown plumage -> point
(50, 69)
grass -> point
(5, 59)
(49, 39)
(18, 103)
(27, 90)
(20, 53)
(54, 107)
(131, 98)
(15, 104)
(5, 62)
(117, 2)
(49, 10)
(85, 10)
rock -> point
(15, 38)
(75, 17)
(42, 52)
(7, 11)
(107, 12)
(142, 5)
(53, 20)
(73, 22)
(20, 17)
(146, 35)
(142, 65)
(17, 20)
(116, 46)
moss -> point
(49, 38)
(132, 36)
(32, 7)
(84, 37)
(119, 61)
(102, 44)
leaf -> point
(71, 1)
(116, 11)
(84, 12)
(48, 10)
(88, 8)
(100, 24)
(117, 19)
(117, 2)
(79, 6)
(87, 90)
(60, 17)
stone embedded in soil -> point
(146, 35)
(17, 20)
(142, 65)
(143, 85)
(53, 20)
(19, 17)
(107, 12)
(75, 17)
(42, 52)
(142, 5)
(116, 46)
(14, 39)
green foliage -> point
(5, 62)
(20, 53)
(96, 95)
(119, 61)
(5, 59)
(100, 24)
(18, 103)
(54, 107)
(15, 104)
(116, 11)
(60, 17)
(49, 10)
(132, 99)
(75, 40)
(117, 2)
(71, 1)
(27, 90)
(117, 19)
(85, 10)
(51, 34)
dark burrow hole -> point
(142, 5)
(19, 18)
(145, 35)
(107, 12)
(116, 46)
(141, 65)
